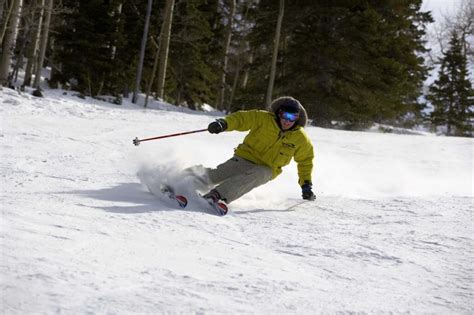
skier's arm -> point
(304, 156)
(243, 120)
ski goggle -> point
(289, 116)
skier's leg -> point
(204, 178)
(247, 179)
(230, 168)
(198, 176)
(213, 176)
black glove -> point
(307, 192)
(217, 126)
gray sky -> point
(441, 8)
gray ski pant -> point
(235, 177)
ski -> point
(219, 207)
(169, 192)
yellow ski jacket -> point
(267, 144)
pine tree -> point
(88, 42)
(131, 26)
(259, 34)
(191, 75)
(351, 61)
(452, 95)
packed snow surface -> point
(391, 230)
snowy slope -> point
(391, 231)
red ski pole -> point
(137, 141)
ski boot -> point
(213, 198)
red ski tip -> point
(221, 208)
(182, 201)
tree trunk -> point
(142, 52)
(55, 66)
(164, 46)
(4, 24)
(247, 71)
(234, 84)
(240, 61)
(8, 41)
(2, 4)
(276, 43)
(238, 69)
(44, 42)
(228, 37)
(153, 72)
(117, 29)
(33, 47)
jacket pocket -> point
(285, 154)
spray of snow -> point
(390, 232)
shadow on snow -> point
(135, 198)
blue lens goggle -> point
(289, 116)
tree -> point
(153, 72)
(452, 95)
(131, 26)
(225, 60)
(8, 41)
(35, 20)
(142, 52)
(192, 72)
(276, 44)
(92, 48)
(242, 53)
(164, 46)
(463, 23)
(5, 15)
(43, 43)
(355, 62)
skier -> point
(276, 136)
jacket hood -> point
(277, 103)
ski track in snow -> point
(391, 230)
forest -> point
(351, 63)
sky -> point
(441, 8)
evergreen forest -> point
(351, 63)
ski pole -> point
(137, 141)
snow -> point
(391, 230)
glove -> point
(217, 126)
(307, 192)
